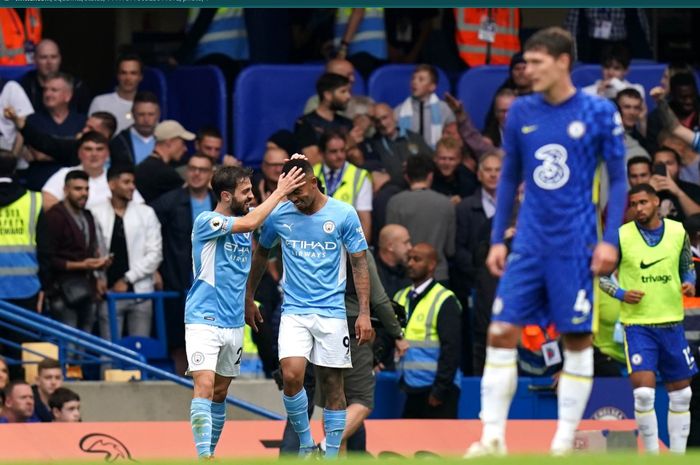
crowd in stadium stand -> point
(119, 190)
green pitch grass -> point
(582, 459)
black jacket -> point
(174, 212)
(393, 278)
(121, 149)
(470, 219)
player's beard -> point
(337, 105)
(238, 209)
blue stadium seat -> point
(476, 89)
(391, 84)
(197, 98)
(269, 98)
(154, 81)
(14, 73)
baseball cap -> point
(170, 129)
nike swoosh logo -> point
(644, 266)
(529, 129)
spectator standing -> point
(487, 36)
(132, 234)
(342, 180)
(21, 30)
(49, 378)
(120, 102)
(615, 64)
(518, 80)
(451, 177)
(12, 97)
(68, 253)
(423, 112)
(430, 368)
(155, 175)
(428, 215)
(333, 92)
(134, 144)
(176, 211)
(360, 36)
(679, 199)
(48, 63)
(684, 108)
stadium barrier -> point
(173, 440)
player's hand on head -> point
(633, 297)
(604, 259)
(289, 182)
(688, 289)
(496, 260)
(252, 315)
(363, 329)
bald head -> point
(422, 261)
(48, 58)
(342, 67)
(384, 119)
(394, 244)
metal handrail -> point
(25, 319)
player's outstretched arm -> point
(287, 184)
(257, 269)
(360, 273)
(669, 119)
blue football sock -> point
(298, 413)
(200, 419)
(218, 419)
(334, 425)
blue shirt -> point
(556, 150)
(314, 253)
(142, 149)
(221, 263)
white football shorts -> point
(321, 340)
(214, 349)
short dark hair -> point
(644, 187)
(554, 40)
(227, 178)
(668, 149)
(115, 171)
(65, 77)
(328, 136)
(11, 387)
(108, 121)
(48, 364)
(76, 174)
(638, 160)
(300, 163)
(418, 167)
(615, 53)
(202, 156)
(92, 136)
(61, 396)
(8, 163)
(430, 69)
(129, 56)
(208, 131)
(630, 92)
(328, 82)
(145, 96)
(680, 80)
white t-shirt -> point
(616, 85)
(114, 104)
(12, 95)
(99, 188)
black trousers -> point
(417, 405)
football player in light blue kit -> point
(316, 233)
(214, 309)
(555, 141)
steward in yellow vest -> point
(19, 212)
(430, 371)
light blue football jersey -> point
(221, 263)
(314, 254)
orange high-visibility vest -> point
(475, 51)
(15, 34)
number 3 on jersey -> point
(553, 173)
